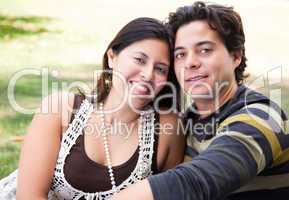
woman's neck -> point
(117, 110)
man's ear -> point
(110, 58)
(237, 56)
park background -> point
(69, 37)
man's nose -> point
(192, 61)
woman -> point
(87, 158)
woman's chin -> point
(138, 103)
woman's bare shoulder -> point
(59, 106)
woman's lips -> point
(141, 88)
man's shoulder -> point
(252, 102)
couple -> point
(236, 139)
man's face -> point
(202, 62)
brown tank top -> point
(88, 176)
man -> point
(238, 138)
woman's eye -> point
(161, 70)
(139, 60)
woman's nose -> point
(147, 73)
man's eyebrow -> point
(178, 48)
(205, 42)
(197, 44)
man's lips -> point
(196, 78)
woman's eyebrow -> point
(142, 53)
(164, 64)
(146, 56)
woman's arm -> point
(41, 146)
(171, 142)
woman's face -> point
(143, 67)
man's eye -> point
(204, 51)
(179, 55)
(139, 60)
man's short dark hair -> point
(224, 20)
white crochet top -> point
(61, 189)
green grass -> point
(24, 19)
(12, 27)
(16, 124)
(8, 158)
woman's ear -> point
(110, 58)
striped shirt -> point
(239, 152)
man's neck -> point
(206, 107)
